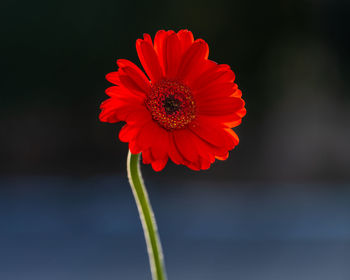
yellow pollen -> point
(171, 104)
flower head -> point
(184, 109)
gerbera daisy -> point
(184, 109)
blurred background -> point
(278, 208)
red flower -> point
(184, 110)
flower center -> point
(171, 104)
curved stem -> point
(149, 225)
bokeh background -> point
(278, 208)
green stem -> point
(149, 225)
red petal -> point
(127, 109)
(147, 38)
(131, 133)
(173, 55)
(229, 121)
(160, 46)
(219, 107)
(134, 149)
(186, 39)
(149, 135)
(132, 77)
(146, 156)
(202, 159)
(149, 60)
(158, 165)
(215, 134)
(174, 153)
(215, 91)
(123, 93)
(193, 61)
(128, 133)
(217, 74)
(113, 78)
(184, 146)
(237, 93)
(139, 116)
(160, 145)
(109, 115)
(122, 101)
(233, 135)
(204, 150)
(224, 157)
(151, 139)
(241, 113)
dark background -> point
(278, 208)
